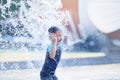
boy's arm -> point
(53, 51)
(54, 47)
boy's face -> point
(58, 34)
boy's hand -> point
(66, 37)
(53, 38)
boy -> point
(53, 54)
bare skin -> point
(54, 45)
(56, 38)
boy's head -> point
(53, 29)
(57, 32)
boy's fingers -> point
(52, 35)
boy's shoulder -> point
(49, 48)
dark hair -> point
(53, 29)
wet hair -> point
(53, 29)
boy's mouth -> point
(59, 40)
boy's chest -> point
(58, 54)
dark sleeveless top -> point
(50, 65)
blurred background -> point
(93, 51)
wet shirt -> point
(50, 65)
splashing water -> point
(24, 23)
(23, 27)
